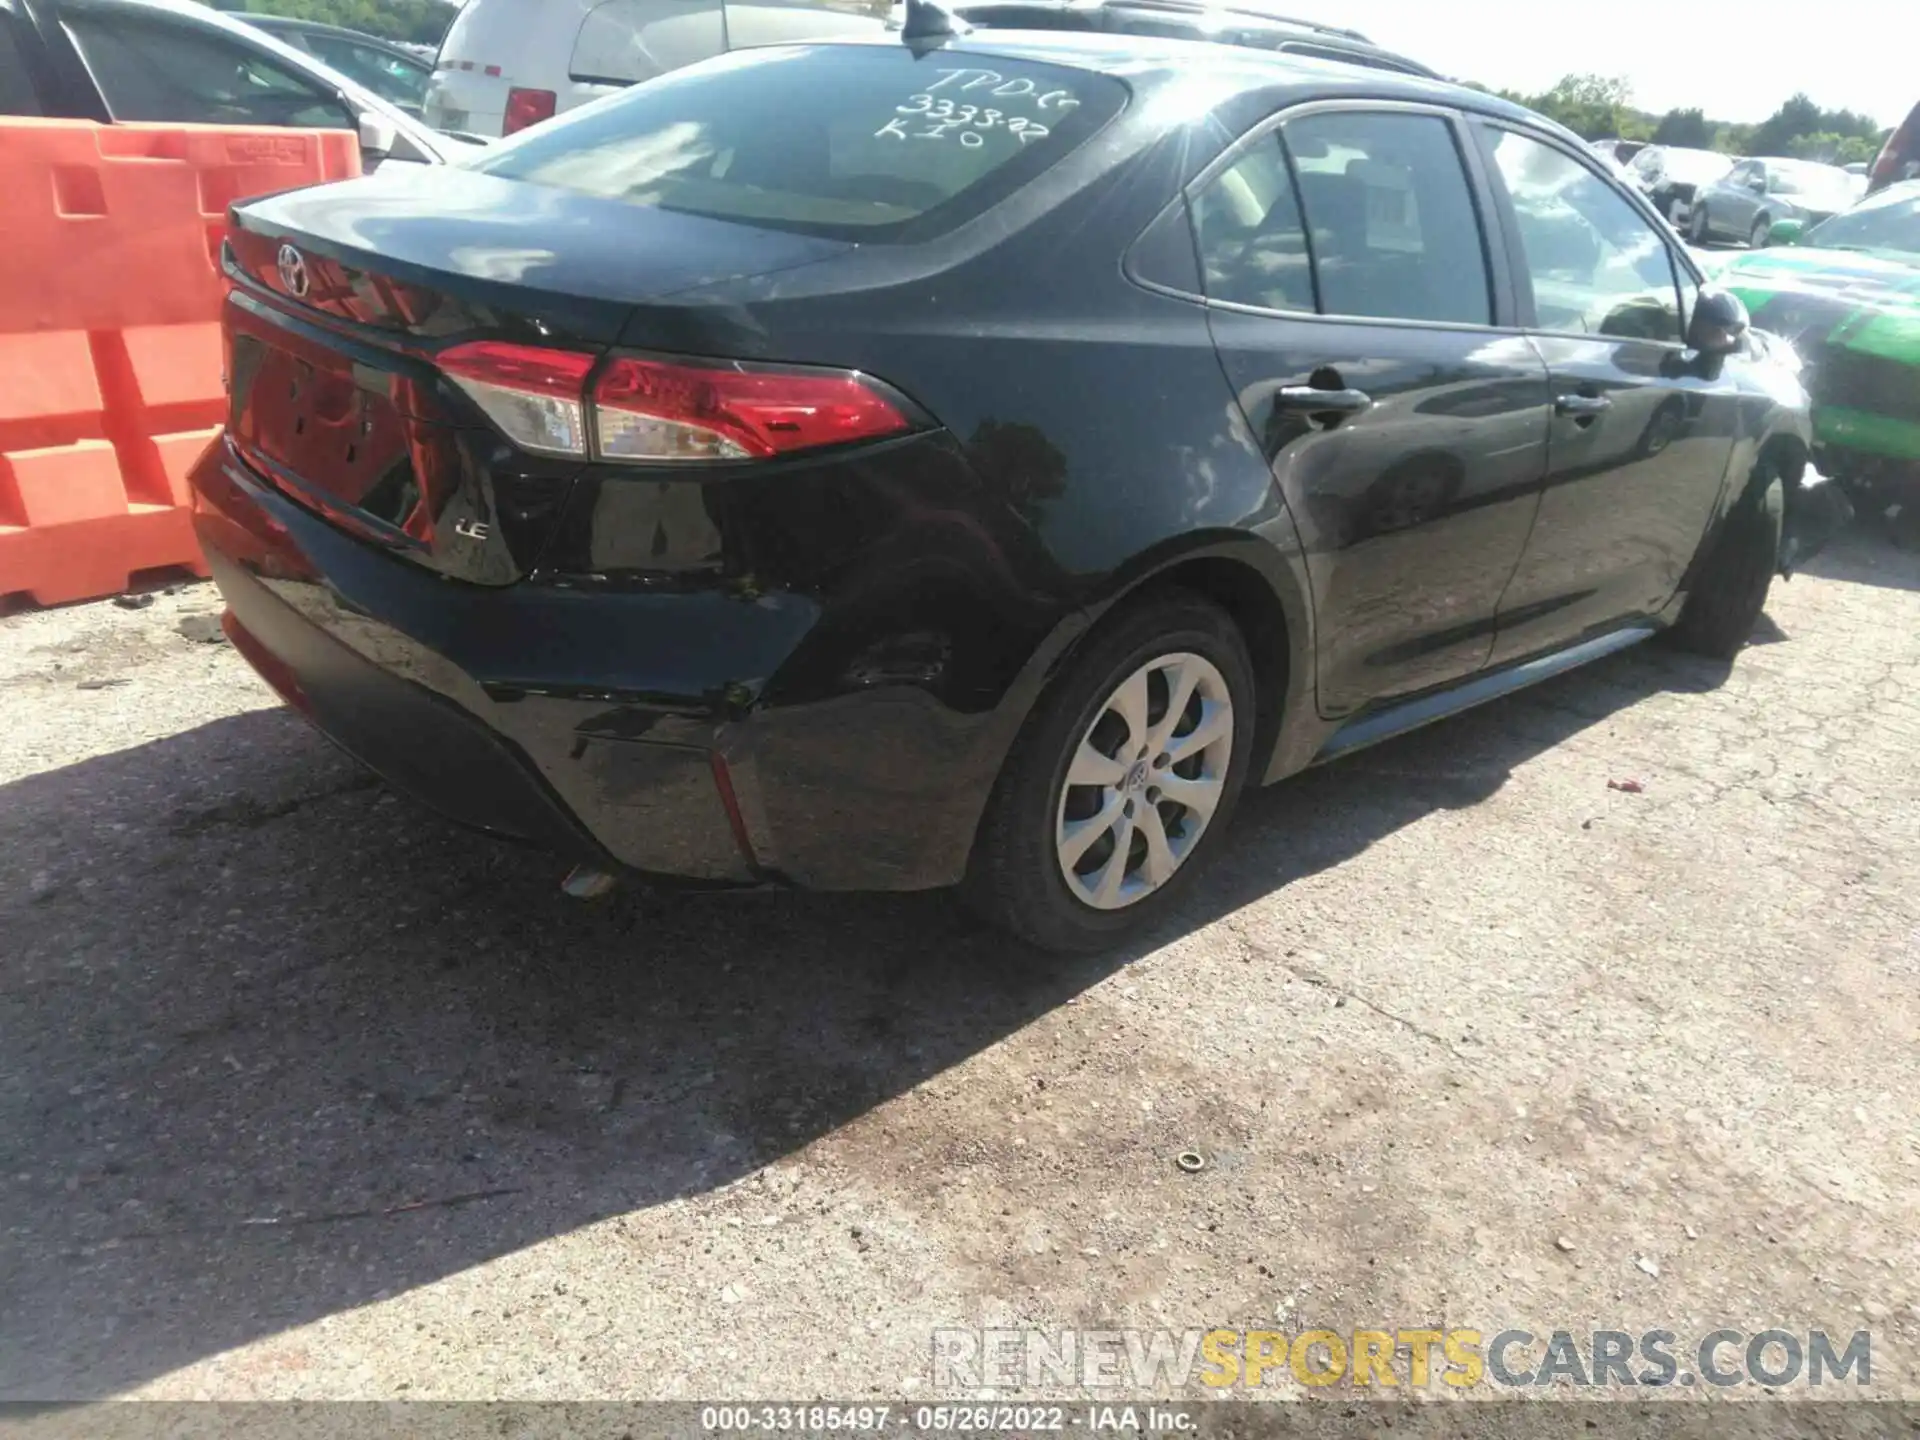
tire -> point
(1730, 588)
(1038, 822)
(1697, 224)
(1762, 229)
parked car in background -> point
(894, 465)
(1756, 194)
(1618, 150)
(508, 64)
(181, 63)
(1846, 293)
(1603, 152)
(390, 71)
(1671, 175)
(1899, 158)
(1238, 23)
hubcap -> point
(1145, 780)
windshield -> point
(390, 76)
(1813, 182)
(1887, 222)
(857, 142)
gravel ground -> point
(304, 1093)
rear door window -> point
(1390, 216)
(847, 141)
(1249, 234)
(181, 73)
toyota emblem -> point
(293, 272)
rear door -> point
(1642, 434)
(1356, 302)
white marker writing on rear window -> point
(936, 117)
(999, 86)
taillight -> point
(534, 395)
(658, 410)
(654, 411)
(527, 107)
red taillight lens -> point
(666, 411)
(661, 410)
(534, 395)
(526, 107)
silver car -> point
(1757, 193)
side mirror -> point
(1786, 232)
(1719, 324)
(378, 136)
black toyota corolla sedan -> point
(924, 463)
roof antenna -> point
(930, 20)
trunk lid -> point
(343, 295)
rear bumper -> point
(608, 727)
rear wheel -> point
(1123, 782)
(1762, 231)
(1697, 223)
(1730, 589)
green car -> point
(1846, 293)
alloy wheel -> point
(1145, 780)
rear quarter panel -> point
(1092, 412)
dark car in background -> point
(1846, 293)
(1757, 194)
(920, 463)
(1671, 175)
(389, 70)
(1899, 158)
(173, 62)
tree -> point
(1800, 120)
(1831, 149)
(1686, 128)
(1592, 106)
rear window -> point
(852, 142)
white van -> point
(508, 64)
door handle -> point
(1314, 400)
(1583, 407)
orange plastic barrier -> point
(110, 335)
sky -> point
(1737, 61)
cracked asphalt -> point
(305, 1093)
